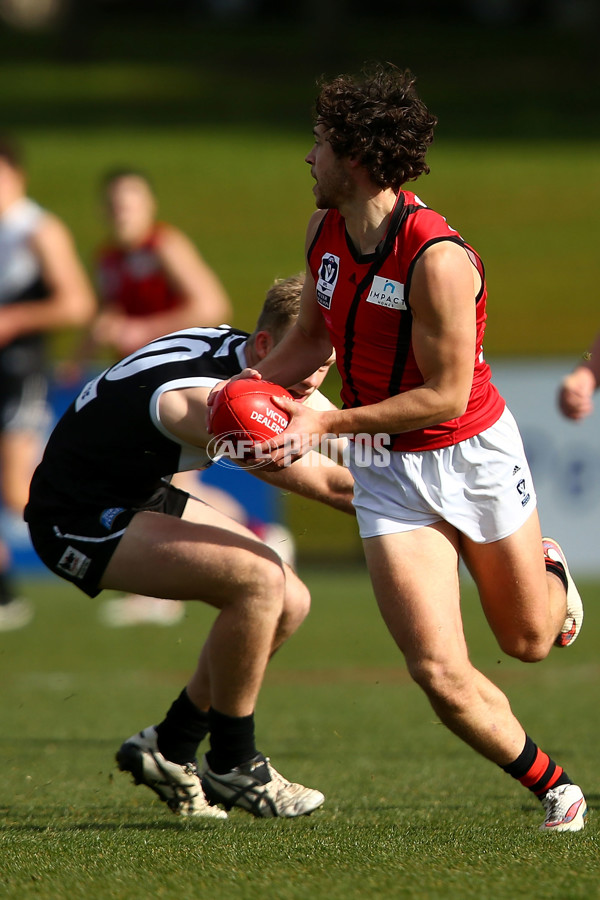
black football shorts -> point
(79, 548)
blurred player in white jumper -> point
(43, 288)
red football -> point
(244, 409)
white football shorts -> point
(482, 486)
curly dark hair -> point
(378, 118)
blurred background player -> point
(577, 389)
(43, 288)
(151, 280)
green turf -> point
(410, 811)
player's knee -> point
(261, 580)
(296, 605)
(526, 647)
(443, 682)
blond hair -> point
(281, 306)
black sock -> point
(181, 731)
(536, 770)
(231, 741)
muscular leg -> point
(415, 579)
(296, 605)
(184, 562)
(215, 560)
(207, 556)
(524, 605)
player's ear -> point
(263, 343)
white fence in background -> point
(564, 456)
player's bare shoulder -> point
(313, 225)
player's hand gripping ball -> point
(244, 410)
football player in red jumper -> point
(401, 298)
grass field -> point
(410, 811)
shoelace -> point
(275, 776)
(282, 783)
(551, 803)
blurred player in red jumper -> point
(151, 281)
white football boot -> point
(177, 785)
(574, 619)
(259, 788)
(565, 807)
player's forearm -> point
(340, 490)
(315, 477)
(418, 408)
(54, 313)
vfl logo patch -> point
(328, 276)
(388, 293)
(523, 492)
(73, 562)
(108, 516)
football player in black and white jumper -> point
(102, 514)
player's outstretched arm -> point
(316, 477)
(577, 389)
(70, 302)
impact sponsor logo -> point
(327, 280)
(74, 563)
(387, 293)
(142, 264)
